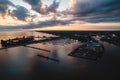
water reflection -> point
(22, 63)
(5, 35)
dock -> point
(56, 60)
(37, 48)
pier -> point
(48, 58)
(37, 48)
(25, 41)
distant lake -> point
(22, 63)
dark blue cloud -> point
(53, 6)
(37, 6)
(97, 10)
(33, 2)
(20, 13)
(4, 5)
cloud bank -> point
(95, 10)
(47, 23)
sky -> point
(60, 14)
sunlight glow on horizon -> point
(58, 18)
(87, 26)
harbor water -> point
(22, 63)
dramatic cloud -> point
(39, 7)
(35, 4)
(53, 7)
(99, 10)
(98, 19)
(4, 5)
(94, 7)
(20, 13)
(79, 11)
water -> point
(22, 63)
(5, 35)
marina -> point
(89, 50)
(59, 39)
(37, 60)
